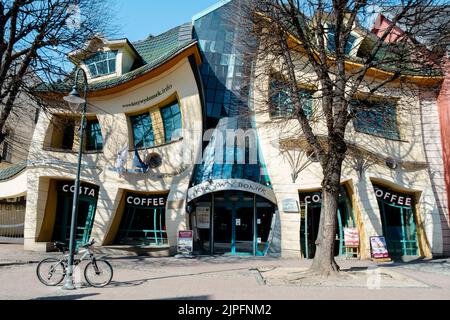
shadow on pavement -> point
(70, 297)
(135, 283)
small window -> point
(142, 131)
(281, 102)
(102, 63)
(378, 118)
(94, 138)
(331, 41)
(172, 121)
(68, 134)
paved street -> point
(231, 278)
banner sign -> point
(185, 243)
(351, 237)
(379, 248)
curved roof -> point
(8, 173)
(154, 52)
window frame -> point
(98, 130)
(302, 91)
(175, 124)
(150, 131)
(94, 60)
(382, 106)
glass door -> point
(243, 239)
(223, 230)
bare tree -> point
(308, 42)
(35, 38)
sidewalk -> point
(230, 278)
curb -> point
(17, 263)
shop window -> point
(102, 64)
(311, 204)
(281, 105)
(142, 127)
(172, 121)
(143, 221)
(87, 207)
(377, 118)
(331, 41)
(94, 138)
(398, 220)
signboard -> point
(203, 215)
(379, 248)
(146, 201)
(291, 206)
(395, 198)
(185, 243)
(231, 185)
(351, 237)
(85, 190)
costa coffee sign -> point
(146, 201)
(84, 190)
(394, 198)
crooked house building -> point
(159, 115)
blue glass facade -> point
(225, 73)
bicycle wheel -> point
(98, 273)
(51, 272)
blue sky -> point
(139, 18)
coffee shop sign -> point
(394, 198)
(84, 191)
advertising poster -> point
(185, 242)
(351, 237)
(379, 248)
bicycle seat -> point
(61, 246)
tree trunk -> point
(324, 263)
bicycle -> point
(51, 271)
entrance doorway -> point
(86, 212)
(239, 224)
(398, 220)
(311, 212)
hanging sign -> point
(351, 237)
(379, 248)
(395, 198)
(185, 243)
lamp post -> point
(75, 100)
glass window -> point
(102, 63)
(172, 121)
(331, 41)
(143, 222)
(378, 118)
(94, 138)
(281, 102)
(68, 134)
(142, 131)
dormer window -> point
(331, 40)
(102, 64)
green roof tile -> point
(154, 51)
(8, 173)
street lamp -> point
(75, 101)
